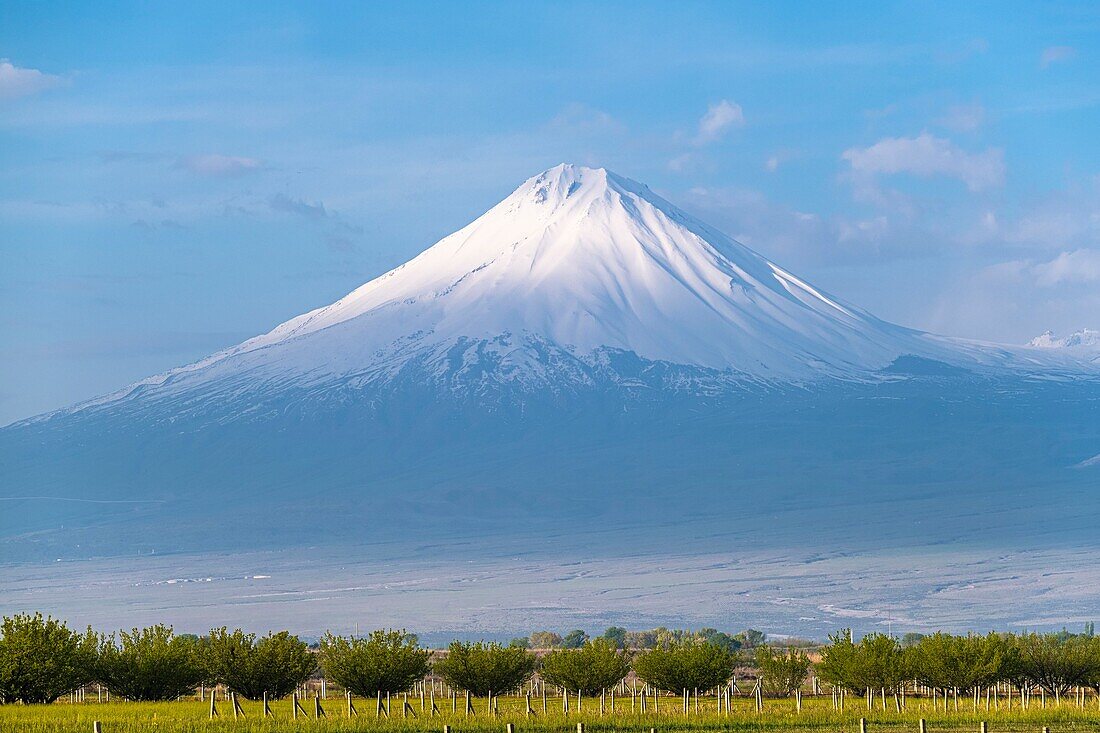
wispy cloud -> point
(718, 120)
(1056, 55)
(1078, 266)
(927, 156)
(963, 118)
(223, 166)
(778, 158)
(21, 82)
(288, 205)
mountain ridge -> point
(578, 265)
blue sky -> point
(177, 177)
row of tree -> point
(42, 659)
(636, 640)
(1055, 663)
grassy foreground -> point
(779, 715)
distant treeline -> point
(41, 659)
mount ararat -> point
(585, 373)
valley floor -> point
(446, 591)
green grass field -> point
(779, 715)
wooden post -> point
(509, 728)
(96, 727)
(469, 707)
(237, 709)
(351, 707)
(580, 727)
(267, 709)
(922, 726)
(984, 730)
(446, 729)
(318, 711)
(863, 725)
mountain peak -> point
(567, 182)
(576, 266)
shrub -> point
(385, 661)
(483, 668)
(42, 659)
(575, 639)
(781, 673)
(596, 666)
(963, 662)
(875, 662)
(151, 664)
(545, 640)
(276, 664)
(687, 666)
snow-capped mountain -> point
(584, 354)
(580, 277)
(1085, 338)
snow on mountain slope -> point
(576, 264)
(1085, 338)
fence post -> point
(96, 727)
(863, 725)
(923, 726)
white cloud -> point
(771, 165)
(1078, 266)
(963, 118)
(18, 82)
(927, 156)
(220, 165)
(1056, 54)
(718, 120)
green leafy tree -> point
(875, 662)
(385, 661)
(751, 638)
(963, 662)
(275, 664)
(1091, 678)
(482, 668)
(911, 638)
(781, 672)
(42, 659)
(575, 639)
(720, 638)
(838, 665)
(616, 635)
(640, 639)
(596, 666)
(688, 665)
(151, 664)
(520, 641)
(545, 640)
(1054, 663)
